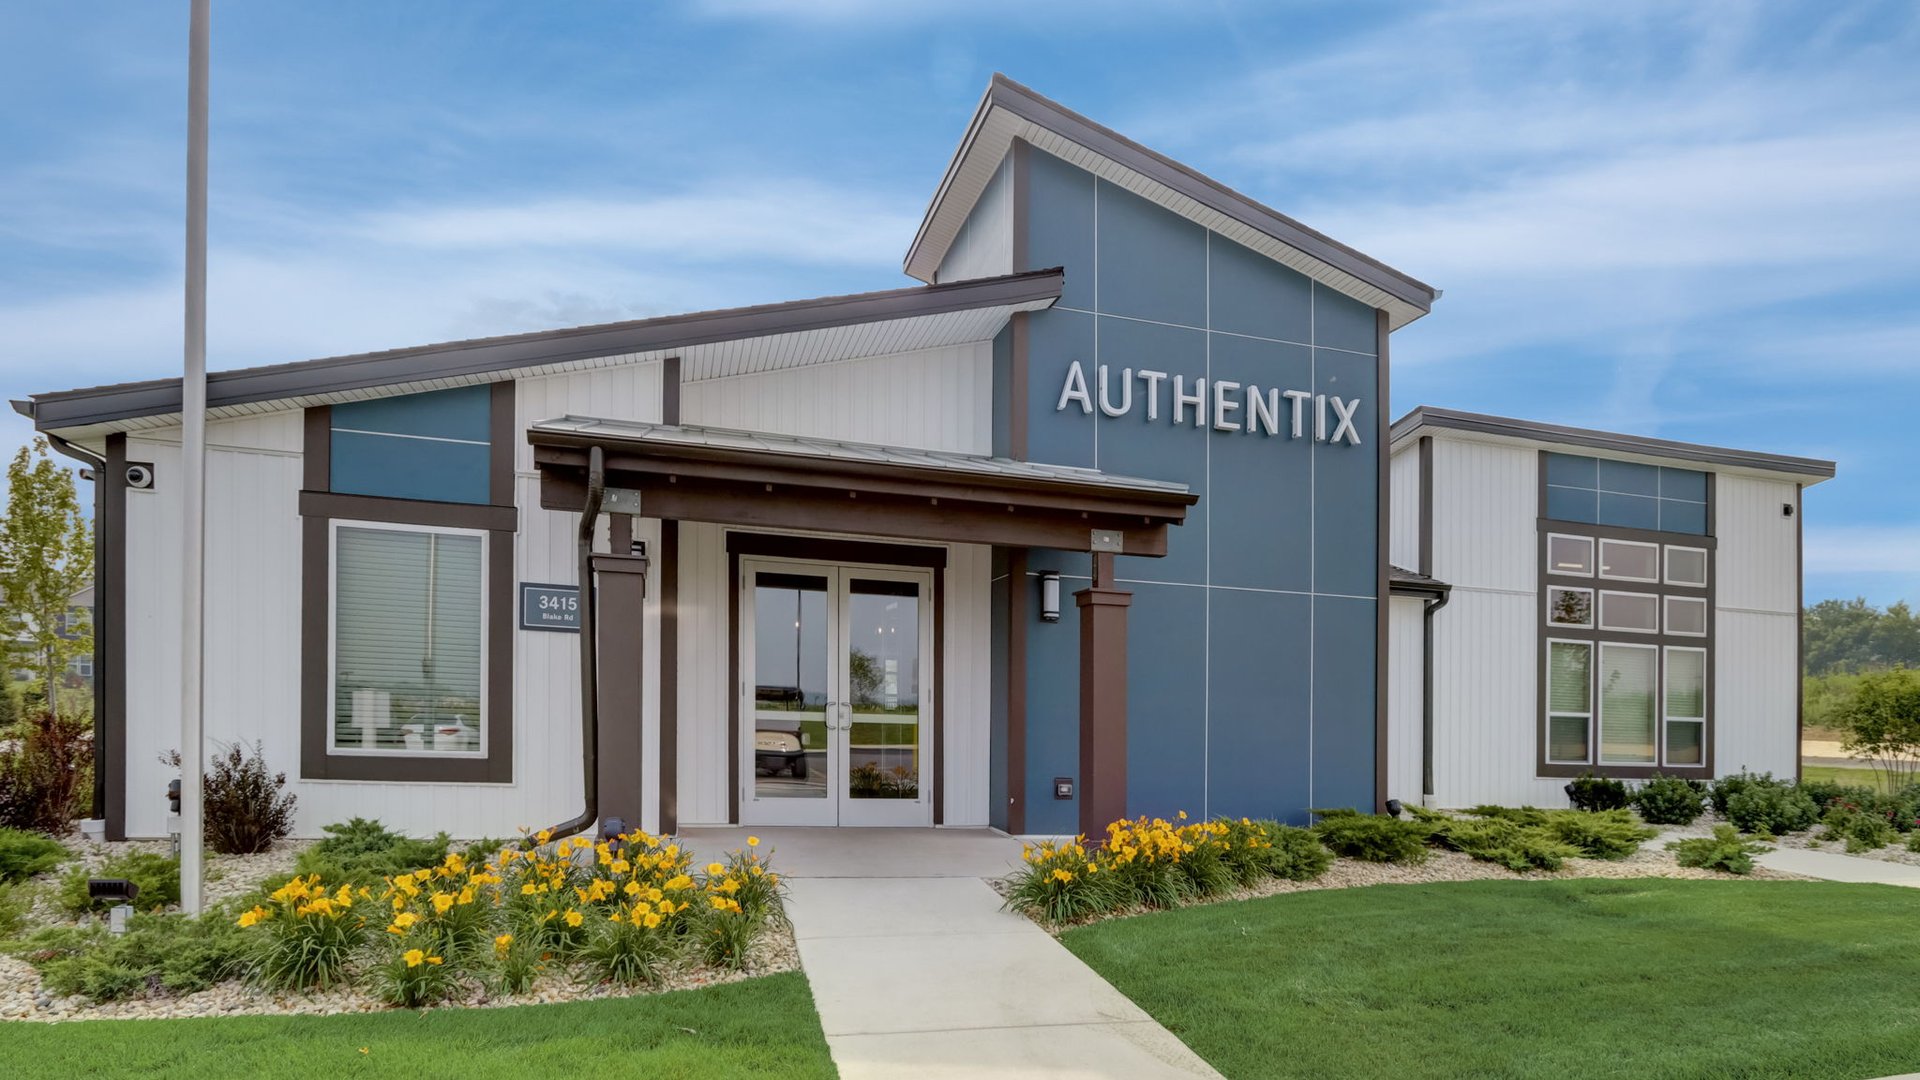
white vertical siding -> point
(628, 392)
(1483, 530)
(1755, 694)
(1405, 663)
(935, 399)
(704, 691)
(984, 247)
(1403, 491)
(1757, 559)
(964, 755)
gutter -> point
(1433, 605)
(589, 660)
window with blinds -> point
(1627, 703)
(409, 628)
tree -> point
(1880, 722)
(46, 556)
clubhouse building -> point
(1106, 516)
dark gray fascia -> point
(158, 397)
(1404, 582)
(1426, 416)
(1023, 102)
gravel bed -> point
(1895, 852)
(227, 876)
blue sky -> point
(1699, 221)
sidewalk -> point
(916, 970)
(1833, 866)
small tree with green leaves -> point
(1881, 723)
(46, 556)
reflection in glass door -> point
(835, 659)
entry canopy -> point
(688, 472)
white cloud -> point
(1893, 549)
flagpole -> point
(193, 469)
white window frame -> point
(1593, 555)
(1666, 616)
(1600, 607)
(1547, 699)
(1666, 565)
(1592, 611)
(1659, 688)
(1666, 720)
(1600, 560)
(333, 652)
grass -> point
(1569, 979)
(1841, 774)
(762, 1027)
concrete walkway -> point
(916, 970)
(1833, 866)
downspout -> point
(589, 666)
(99, 466)
(1426, 696)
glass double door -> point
(836, 669)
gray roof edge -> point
(1428, 416)
(120, 401)
(1030, 105)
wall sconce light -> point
(1050, 596)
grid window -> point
(1686, 706)
(1569, 701)
(1599, 491)
(1571, 555)
(1629, 560)
(1627, 697)
(1637, 613)
(1687, 566)
(1687, 616)
(1568, 606)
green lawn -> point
(763, 1027)
(1562, 979)
(1841, 774)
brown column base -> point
(1103, 701)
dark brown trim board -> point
(1018, 597)
(620, 583)
(823, 549)
(734, 688)
(1017, 391)
(110, 634)
(669, 563)
(1799, 625)
(1426, 506)
(1382, 613)
(670, 390)
(1427, 416)
(319, 507)
(939, 746)
(476, 359)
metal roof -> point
(1009, 110)
(797, 322)
(802, 448)
(1504, 427)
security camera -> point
(140, 475)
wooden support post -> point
(620, 598)
(1103, 700)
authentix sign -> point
(1220, 404)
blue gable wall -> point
(1251, 647)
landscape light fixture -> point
(120, 890)
(1050, 596)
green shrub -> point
(15, 904)
(364, 852)
(1372, 837)
(1670, 800)
(1825, 793)
(158, 877)
(158, 955)
(1590, 792)
(1519, 815)
(1600, 834)
(1724, 850)
(24, 854)
(1519, 848)
(1860, 830)
(1913, 841)
(1774, 807)
(1298, 853)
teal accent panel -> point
(1132, 445)
(1341, 322)
(1053, 698)
(1626, 494)
(1259, 746)
(461, 413)
(1258, 507)
(1060, 225)
(402, 468)
(1343, 700)
(1166, 706)
(1055, 339)
(1153, 264)
(1346, 481)
(1249, 293)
